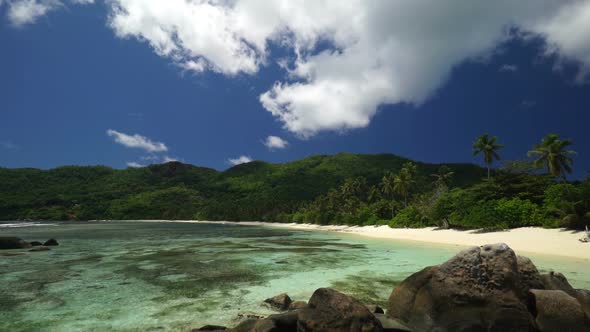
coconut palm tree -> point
(487, 146)
(388, 189)
(374, 194)
(443, 176)
(552, 155)
(403, 182)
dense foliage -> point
(252, 191)
(340, 189)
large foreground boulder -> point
(331, 311)
(480, 289)
(11, 242)
(489, 288)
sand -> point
(554, 242)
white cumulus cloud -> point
(275, 142)
(134, 164)
(382, 51)
(24, 12)
(240, 160)
(137, 141)
(372, 52)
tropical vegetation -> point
(345, 188)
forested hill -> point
(252, 191)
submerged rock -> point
(36, 243)
(280, 302)
(211, 328)
(51, 242)
(330, 310)
(40, 248)
(11, 242)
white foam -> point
(25, 224)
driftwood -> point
(586, 238)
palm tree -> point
(374, 194)
(443, 176)
(488, 147)
(402, 183)
(388, 189)
(551, 155)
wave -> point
(25, 224)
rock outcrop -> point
(10, 242)
(487, 288)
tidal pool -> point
(164, 276)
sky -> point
(127, 83)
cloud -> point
(275, 142)
(373, 52)
(137, 141)
(23, 12)
(240, 160)
(134, 164)
(340, 67)
(508, 68)
(167, 159)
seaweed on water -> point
(367, 287)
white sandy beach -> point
(542, 241)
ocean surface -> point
(162, 276)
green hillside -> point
(252, 191)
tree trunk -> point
(488, 171)
(567, 188)
(392, 210)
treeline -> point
(515, 197)
(252, 191)
(339, 189)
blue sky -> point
(73, 72)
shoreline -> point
(536, 240)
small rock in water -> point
(211, 328)
(40, 248)
(36, 243)
(51, 242)
(281, 301)
(11, 242)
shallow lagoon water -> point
(149, 276)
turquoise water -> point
(139, 276)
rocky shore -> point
(487, 288)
